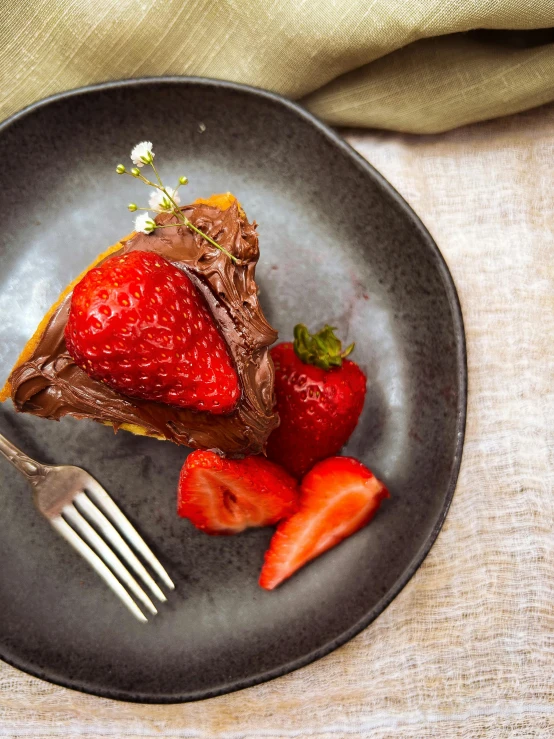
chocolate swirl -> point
(50, 385)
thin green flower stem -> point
(147, 182)
(141, 177)
(185, 222)
(178, 212)
(161, 186)
(211, 241)
(157, 175)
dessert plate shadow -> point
(338, 246)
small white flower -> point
(142, 154)
(160, 202)
(144, 223)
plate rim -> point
(461, 410)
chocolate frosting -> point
(50, 385)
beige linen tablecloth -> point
(467, 649)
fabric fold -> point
(438, 84)
(386, 63)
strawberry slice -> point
(226, 496)
(337, 497)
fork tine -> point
(114, 537)
(94, 560)
(129, 531)
(110, 558)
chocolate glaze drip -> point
(50, 385)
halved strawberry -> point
(226, 496)
(337, 497)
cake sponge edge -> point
(32, 344)
(222, 201)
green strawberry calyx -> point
(322, 349)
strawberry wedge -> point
(337, 498)
(226, 496)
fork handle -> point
(30, 468)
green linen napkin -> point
(419, 66)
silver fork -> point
(72, 500)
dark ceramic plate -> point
(338, 245)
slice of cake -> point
(51, 380)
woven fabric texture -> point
(421, 66)
(467, 649)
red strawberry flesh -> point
(138, 324)
(337, 498)
(226, 496)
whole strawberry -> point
(320, 395)
(138, 324)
